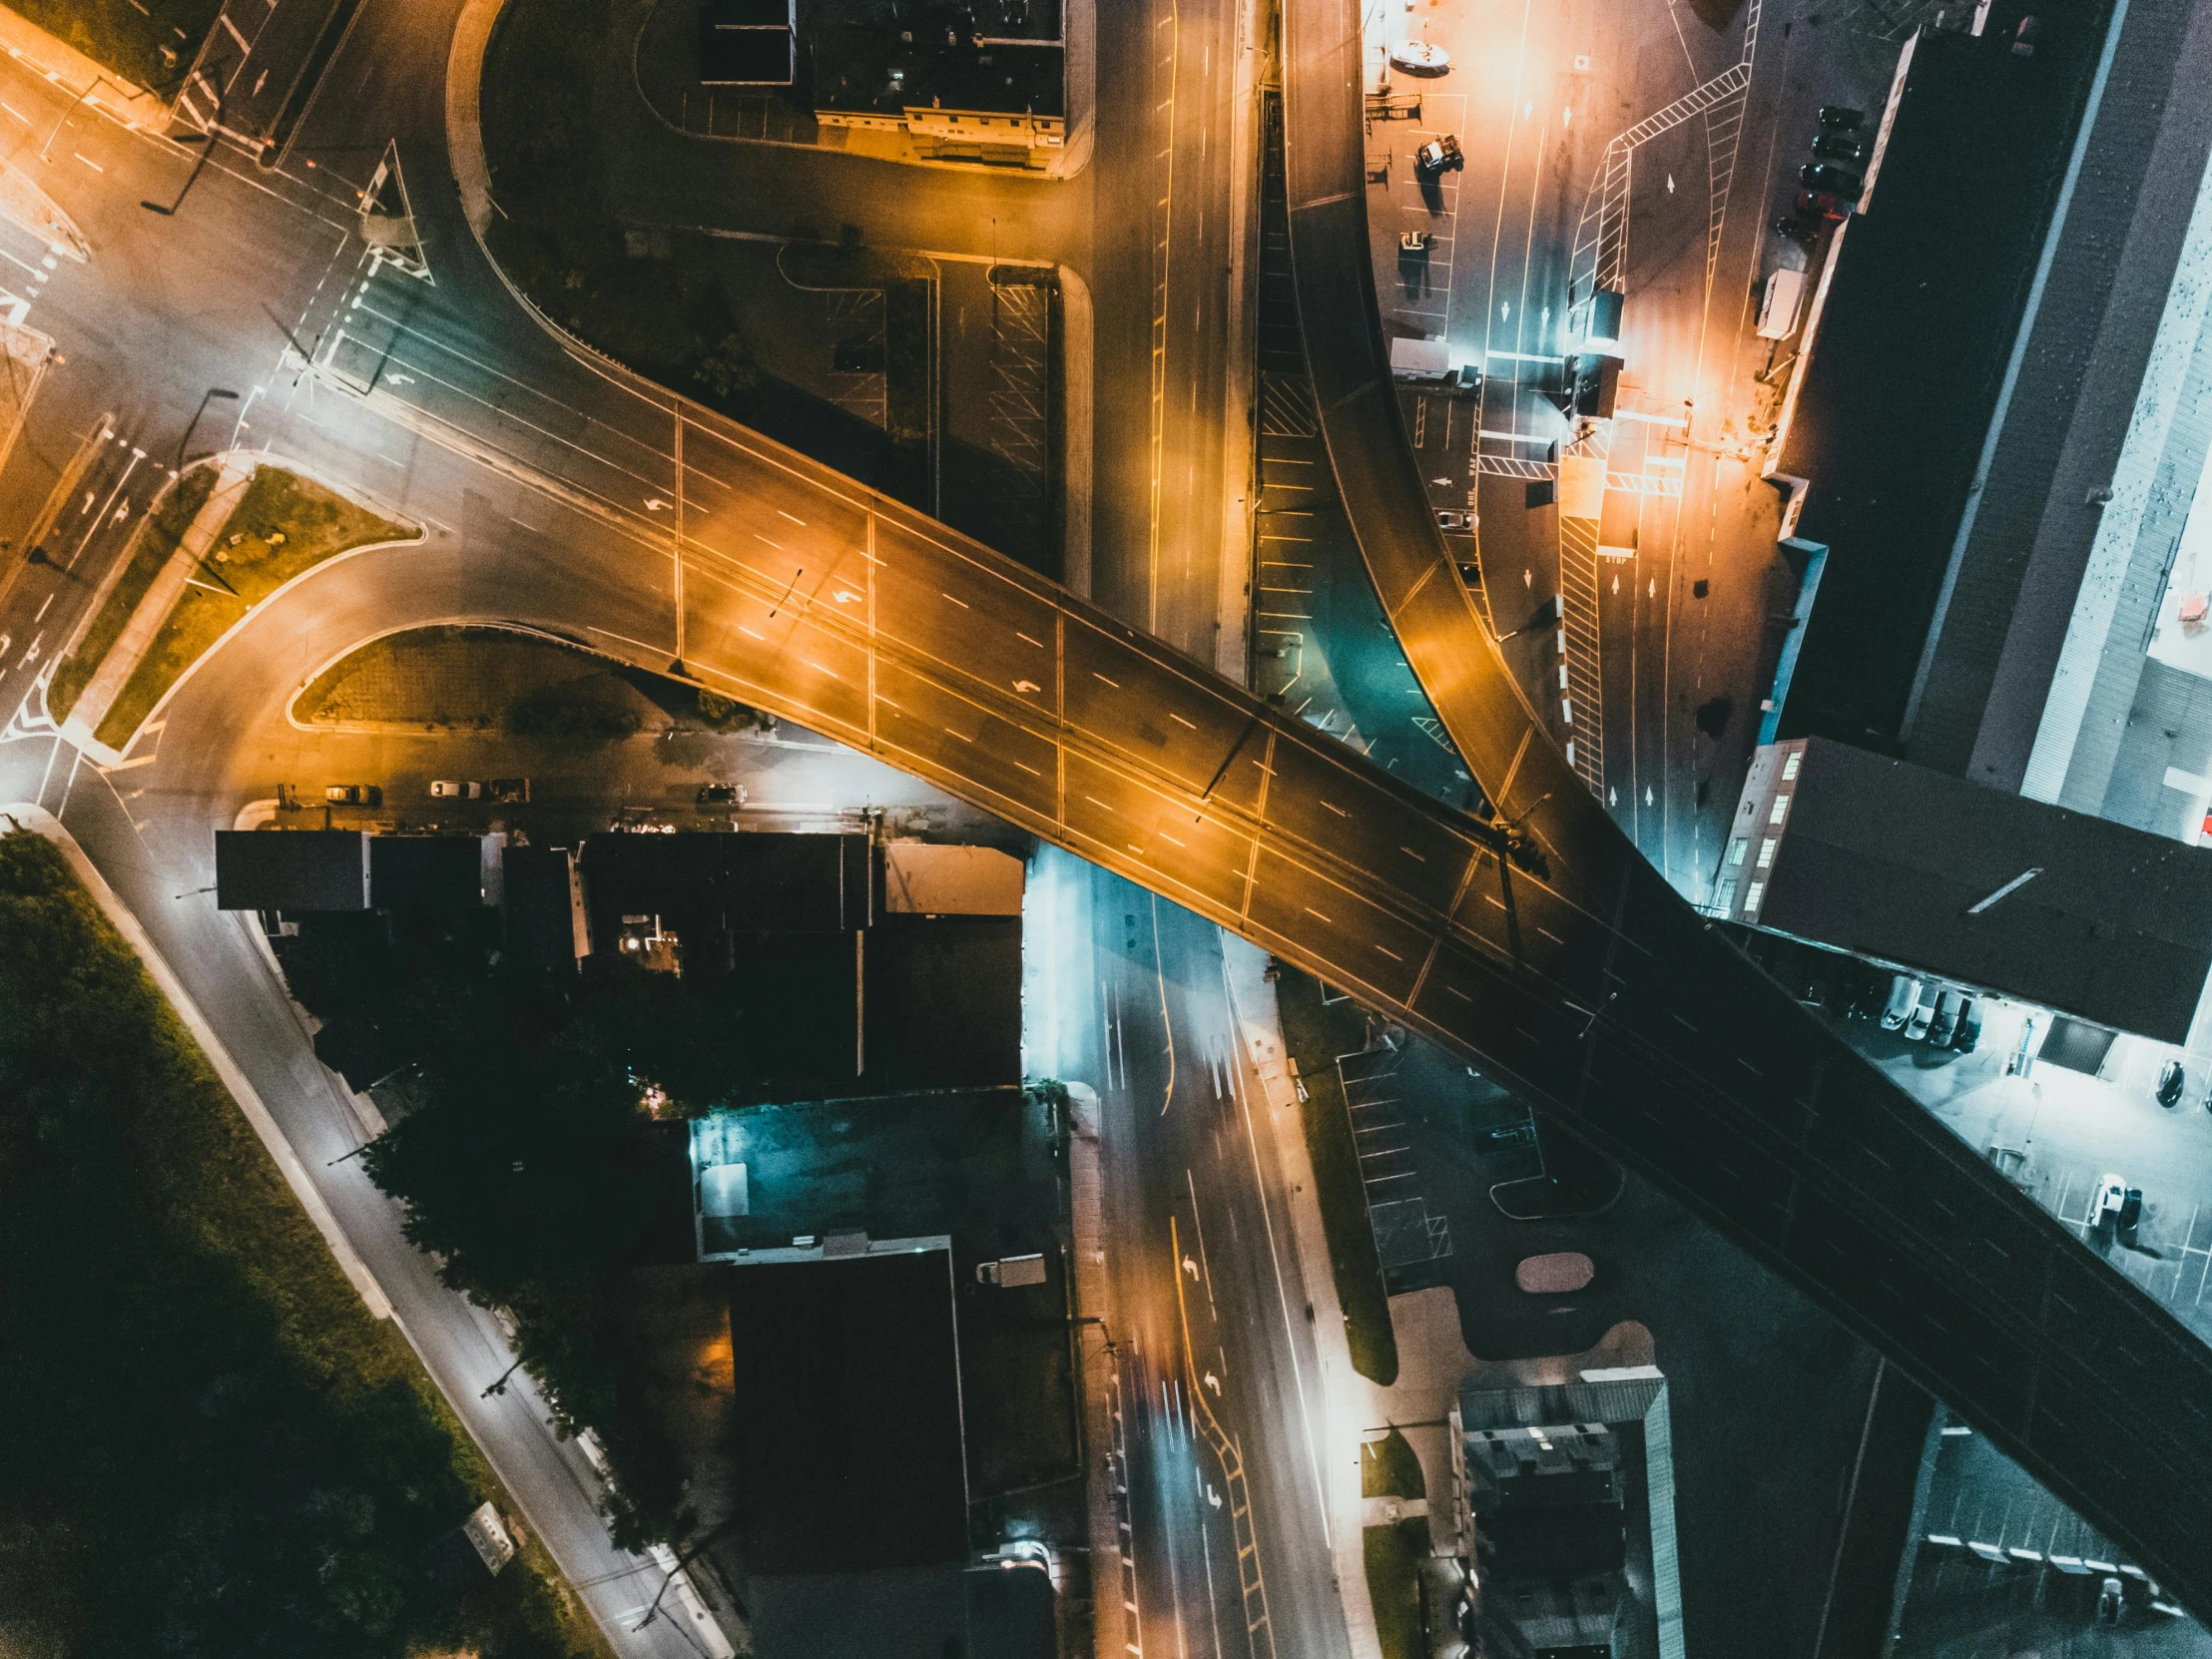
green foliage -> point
(1393, 1556)
(218, 1451)
(534, 1173)
(156, 538)
(727, 713)
(728, 366)
(1315, 1033)
(1389, 1467)
(285, 526)
(574, 710)
(127, 36)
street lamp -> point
(206, 142)
(46, 150)
(212, 393)
(500, 1386)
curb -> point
(161, 596)
(99, 754)
(39, 820)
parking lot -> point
(2058, 1133)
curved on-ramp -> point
(1688, 1063)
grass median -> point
(284, 526)
(218, 1451)
(1389, 1467)
(459, 676)
(156, 540)
(1394, 1555)
(146, 41)
(1315, 1033)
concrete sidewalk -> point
(233, 473)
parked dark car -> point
(1968, 1035)
(2026, 37)
(1819, 203)
(354, 794)
(1838, 117)
(510, 792)
(1439, 154)
(718, 794)
(1841, 146)
(2130, 1215)
(2172, 1080)
(1827, 176)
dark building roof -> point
(539, 905)
(944, 1002)
(1886, 859)
(708, 886)
(849, 1446)
(798, 1004)
(1999, 634)
(1925, 299)
(941, 54)
(299, 871)
(439, 872)
(747, 43)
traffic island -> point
(258, 529)
(1314, 1033)
(467, 677)
(1396, 1552)
(199, 1366)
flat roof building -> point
(1571, 1494)
(995, 94)
(439, 872)
(1922, 870)
(294, 870)
(2008, 551)
(541, 907)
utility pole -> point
(678, 665)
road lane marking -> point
(1019, 634)
(87, 161)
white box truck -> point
(1779, 304)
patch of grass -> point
(156, 538)
(283, 525)
(459, 675)
(667, 318)
(1393, 1556)
(1315, 1033)
(1389, 1468)
(127, 36)
(221, 1453)
(597, 710)
(673, 319)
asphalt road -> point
(1671, 1050)
(1592, 989)
(1140, 1007)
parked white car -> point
(1904, 992)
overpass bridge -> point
(1617, 1010)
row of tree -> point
(541, 1166)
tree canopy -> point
(216, 1450)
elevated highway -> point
(1620, 1013)
(1574, 974)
